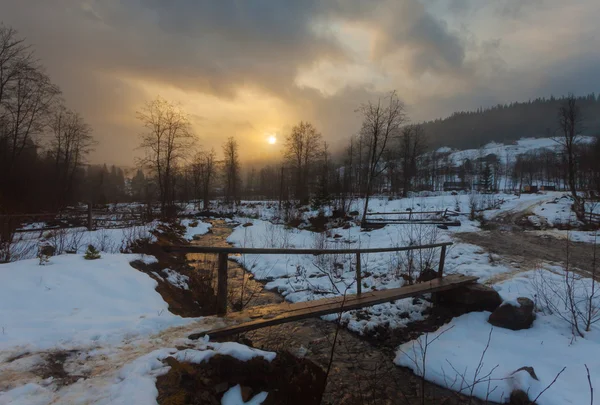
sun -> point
(272, 139)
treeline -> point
(509, 122)
(43, 144)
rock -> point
(221, 387)
(246, 393)
(519, 397)
(247, 224)
(471, 298)
(347, 226)
(337, 236)
(513, 317)
(427, 275)
(353, 213)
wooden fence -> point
(224, 252)
(412, 217)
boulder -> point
(427, 275)
(247, 224)
(514, 316)
(471, 298)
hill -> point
(506, 123)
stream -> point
(362, 371)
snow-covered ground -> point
(511, 151)
(454, 351)
(120, 328)
(70, 302)
(195, 227)
(307, 277)
(547, 347)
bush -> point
(91, 253)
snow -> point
(304, 277)
(520, 147)
(454, 353)
(233, 396)
(134, 382)
(114, 240)
(176, 279)
(70, 302)
(199, 228)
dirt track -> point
(511, 236)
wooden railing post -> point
(358, 275)
(222, 285)
(89, 217)
(442, 260)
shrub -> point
(91, 253)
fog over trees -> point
(45, 145)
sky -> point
(252, 69)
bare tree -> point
(70, 144)
(231, 170)
(26, 99)
(381, 121)
(570, 122)
(203, 173)
(167, 140)
(412, 146)
(303, 147)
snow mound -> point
(71, 302)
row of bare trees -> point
(176, 172)
(43, 144)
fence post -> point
(89, 217)
(442, 259)
(358, 275)
(222, 285)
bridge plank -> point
(270, 315)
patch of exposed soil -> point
(287, 379)
(54, 366)
(200, 297)
(529, 249)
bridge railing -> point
(224, 252)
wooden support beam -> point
(270, 315)
(222, 284)
(358, 275)
(442, 260)
(277, 251)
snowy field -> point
(104, 314)
(120, 328)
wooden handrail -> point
(223, 253)
(279, 251)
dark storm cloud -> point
(95, 48)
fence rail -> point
(224, 252)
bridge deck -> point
(270, 315)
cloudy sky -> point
(253, 68)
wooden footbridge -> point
(270, 315)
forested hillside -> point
(508, 122)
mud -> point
(512, 237)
